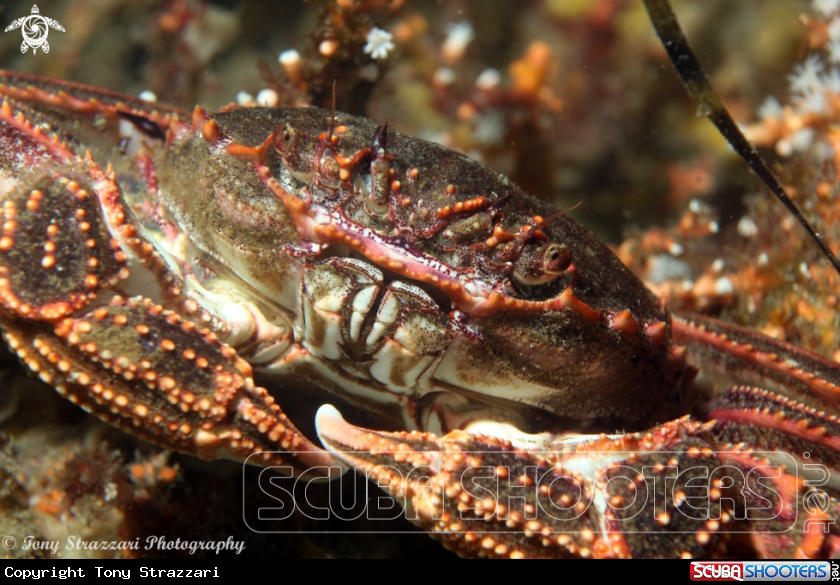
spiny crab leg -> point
(67, 239)
(759, 417)
(630, 496)
(453, 486)
(85, 100)
(743, 356)
(142, 369)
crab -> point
(152, 259)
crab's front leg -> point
(602, 497)
(69, 246)
(674, 491)
(765, 461)
(143, 369)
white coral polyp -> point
(379, 43)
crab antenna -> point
(332, 112)
(698, 85)
(548, 220)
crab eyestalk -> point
(296, 150)
(380, 171)
(543, 265)
(284, 139)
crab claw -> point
(630, 496)
(197, 395)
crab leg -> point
(758, 417)
(602, 497)
(67, 238)
(672, 491)
(794, 412)
(144, 370)
(771, 508)
(741, 356)
(85, 101)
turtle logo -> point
(35, 31)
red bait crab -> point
(152, 260)
(147, 284)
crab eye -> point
(556, 259)
(283, 140)
(541, 264)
